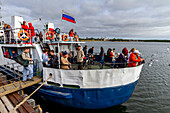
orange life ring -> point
(76, 38)
(65, 37)
(23, 35)
(50, 35)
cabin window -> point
(10, 52)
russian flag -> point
(68, 17)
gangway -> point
(16, 86)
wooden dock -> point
(12, 98)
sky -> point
(141, 19)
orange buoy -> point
(65, 37)
(50, 35)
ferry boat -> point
(89, 88)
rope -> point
(17, 106)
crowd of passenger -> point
(85, 56)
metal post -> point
(10, 36)
(59, 54)
(4, 38)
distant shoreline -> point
(122, 40)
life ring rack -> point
(50, 35)
(65, 37)
(23, 35)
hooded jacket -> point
(133, 60)
(31, 28)
(25, 27)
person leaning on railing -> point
(134, 59)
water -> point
(152, 94)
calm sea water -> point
(152, 94)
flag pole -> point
(61, 21)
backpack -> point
(21, 61)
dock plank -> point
(25, 104)
(2, 108)
(8, 104)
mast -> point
(0, 16)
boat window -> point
(10, 52)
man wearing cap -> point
(65, 63)
(80, 56)
(134, 59)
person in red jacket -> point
(24, 26)
(134, 59)
(31, 31)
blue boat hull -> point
(90, 98)
(97, 98)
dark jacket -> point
(90, 51)
(53, 61)
(85, 51)
(122, 60)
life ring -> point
(65, 37)
(76, 38)
(23, 35)
(50, 35)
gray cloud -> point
(96, 18)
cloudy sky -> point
(144, 19)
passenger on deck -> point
(32, 32)
(85, 54)
(14, 54)
(85, 50)
(45, 57)
(112, 57)
(5, 32)
(121, 61)
(24, 26)
(80, 56)
(41, 36)
(53, 59)
(134, 59)
(71, 34)
(9, 34)
(6, 54)
(65, 63)
(101, 55)
(25, 56)
(90, 51)
(71, 58)
(131, 51)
